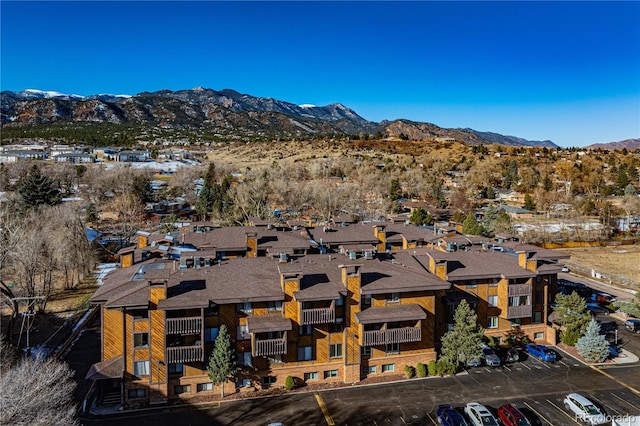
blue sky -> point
(564, 71)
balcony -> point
(267, 347)
(391, 335)
(519, 290)
(318, 316)
(523, 311)
(189, 325)
(185, 354)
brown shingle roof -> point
(380, 314)
(109, 369)
(268, 323)
(477, 264)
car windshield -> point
(487, 351)
(591, 409)
(488, 421)
(523, 422)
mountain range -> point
(223, 112)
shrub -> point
(491, 341)
(289, 383)
(445, 368)
(432, 367)
(569, 336)
(408, 371)
(421, 370)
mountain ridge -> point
(224, 111)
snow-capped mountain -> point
(28, 94)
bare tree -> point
(37, 392)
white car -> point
(584, 409)
(479, 415)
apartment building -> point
(324, 304)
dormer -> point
(126, 256)
(526, 260)
(252, 244)
(379, 231)
(143, 239)
(350, 272)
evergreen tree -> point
(471, 226)
(141, 186)
(529, 204)
(573, 315)
(462, 343)
(593, 346)
(511, 175)
(222, 361)
(395, 190)
(547, 183)
(420, 217)
(37, 189)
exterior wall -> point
(112, 333)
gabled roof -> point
(379, 314)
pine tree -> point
(462, 343)
(37, 189)
(593, 346)
(222, 361)
(573, 315)
(529, 204)
(471, 226)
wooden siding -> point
(128, 326)
(352, 328)
(252, 246)
(126, 260)
(111, 333)
(291, 307)
(157, 339)
(140, 326)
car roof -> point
(510, 408)
(581, 399)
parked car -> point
(508, 355)
(510, 416)
(633, 325)
(474, 363)
(596, 309)
(479, 415)
(541, 352)
(613, 351)
(449, 416)
(604, 298)
(490, 357)
(565, 268)
(584, 409)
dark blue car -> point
(448, 416)
(540, 351)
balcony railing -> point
(318, 316)
(185, 354)
(519, 290)
(266, 347)
(189, 325)
(523, 311)
(392, 335)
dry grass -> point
(620, 263)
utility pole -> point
(27, 317)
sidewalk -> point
(625, 356)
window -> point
(244, 308)
(392, 348)
(311, 376)
(492, 322)
(137, 393)
(516, 322)
(393, 298)
(274, 306)
(182, 389)
(244, 359)
(493, 300)
(210, 334)
(370, 369)
(306, 330)
(201, 387)
(268, 380)
(140, 314)
(388, 368)
(336, 327)
(340, 301)
(494, 283)
(537, 317)
(335, 350)
(305, 353)
(244, 383)
(176, 368)
(366, 351)
(141, 368)
(243, 332)
(519, 301)
(365, 301)
(539, 278)
(472, 284)
(274, 359)
(330, 374)
(211, 311)
(538, 336)
(141, 340)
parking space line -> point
(508, 369)
(564, 412)
(325, 410)
(537, 414)
(525, 365)
(431, 418)
(540, 362)
(625, 401)
(563, 363)
(604, 373)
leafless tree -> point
(37, 392)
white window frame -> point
(492, 322)
(311, 376)
(335, 350)
(490, 298)
(243, 332)
(141, 368)
(393, 297)
(371, 369)
(305, 353)
(388, 368)
(330, 374)
(203, 387)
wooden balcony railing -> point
(392, 335)
(188, 325)
(266, 347)
(519, 290)
(318, 316)
(523, 311)
(185, 354)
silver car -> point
(490, 357)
